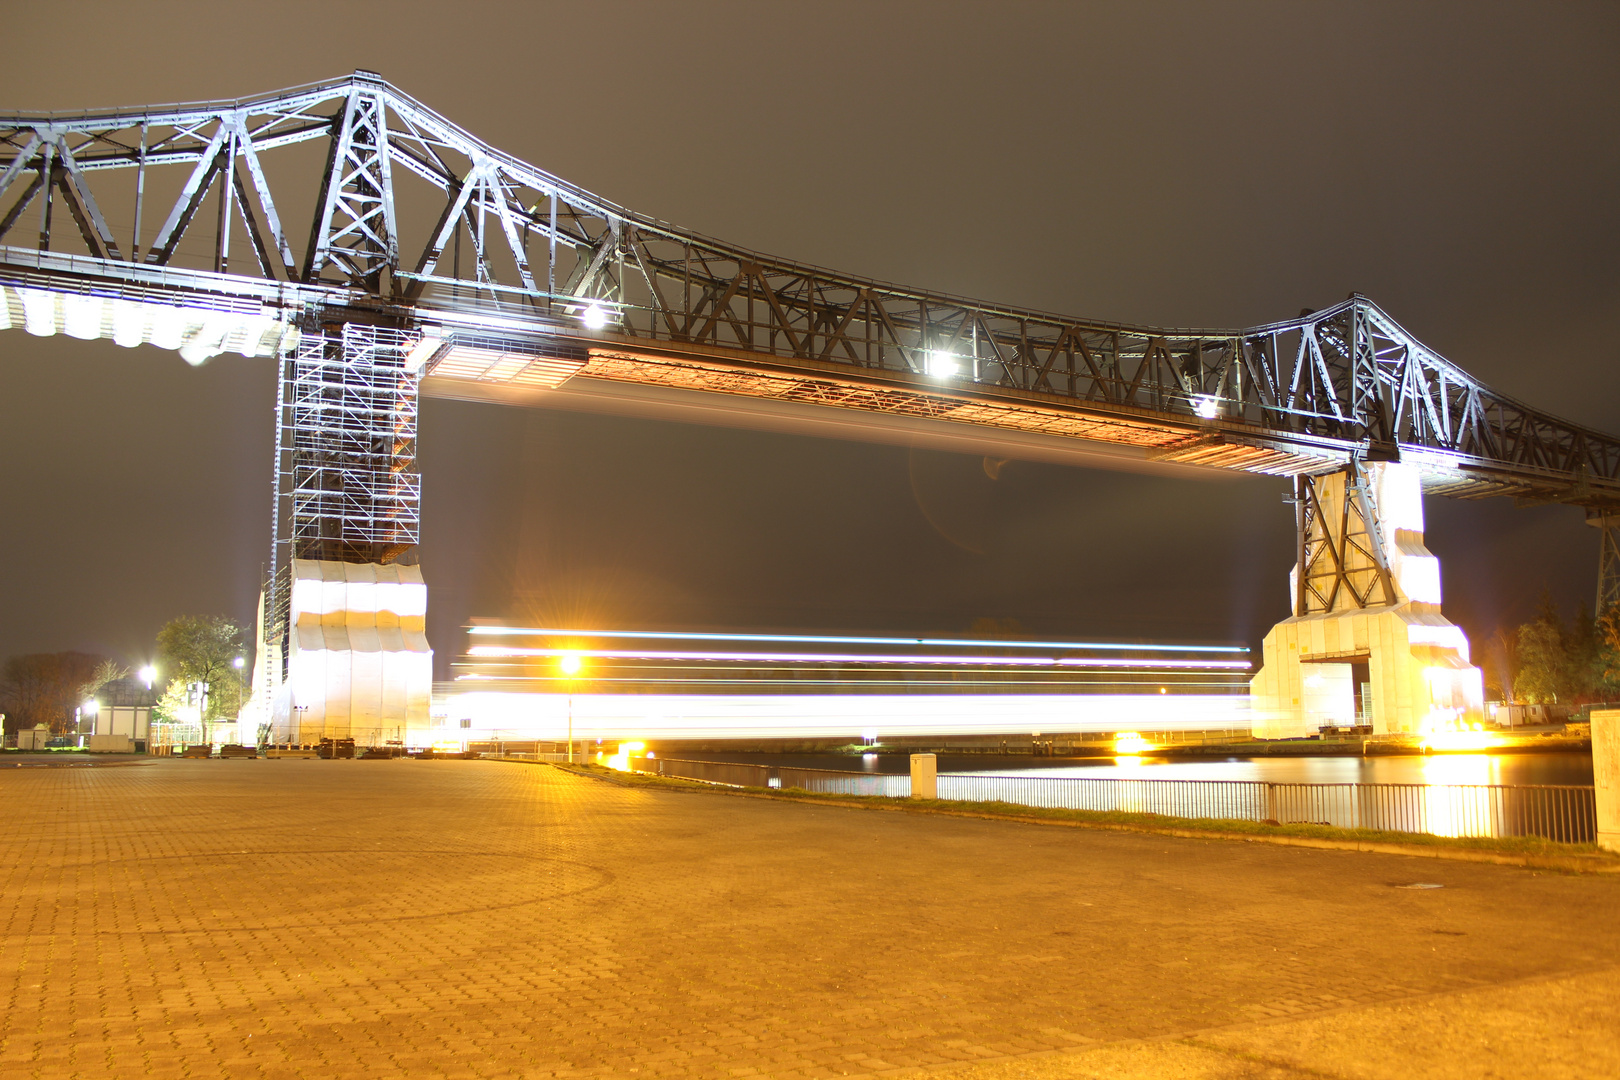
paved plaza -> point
(318, 919)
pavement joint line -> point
(72, 764)
(1575, 863)
(1191, 1036)
(1257, 1059)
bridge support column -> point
(343, 649)
(1608, 588)
(1367, 644)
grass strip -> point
(1116, 819)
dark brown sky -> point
(1175, 164)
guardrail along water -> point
(1566, 813)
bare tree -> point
(46, 688)
(107, 671)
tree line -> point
(50, 688)
(1550, 661)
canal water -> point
(1487, 794)
(1561, 767)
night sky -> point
(1170, 164)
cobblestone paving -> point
(473, 919)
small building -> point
(123, 718)
(33, 738)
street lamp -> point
(90, 708)
(147, 675)
(570, 664)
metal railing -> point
(1565, 813)
(833, 781)
(714, 772)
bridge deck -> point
(423, 227)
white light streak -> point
(845, 716)
(867, 658)
(835, 639)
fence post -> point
(1606, 775)
(1271, 803)
(924, 777)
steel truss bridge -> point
(435, 263)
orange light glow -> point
(621, 759)
(1130, 743)
(1445, 730)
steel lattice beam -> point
(545, 263)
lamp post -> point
(238, 664)
(90, 708)
(570, 665)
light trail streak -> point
(830, 639)
(686, 716)
(851, 686)
(965, 676)
(869, 658)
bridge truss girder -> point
(415, 217)
(1341, 563)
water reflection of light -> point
(1458, 811)
(1459, 769)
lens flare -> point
(1130, 744)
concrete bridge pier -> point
(1367, 643)
(343, 651)
(355, 654)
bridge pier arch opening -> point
(1367, 644)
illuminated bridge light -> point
(839, 639)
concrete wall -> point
(1606, 775)
(1414, 682)
(134, 721)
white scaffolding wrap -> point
(198, 334)
(358, 662)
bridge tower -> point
(343, 650)
(1607, 522)
(1366, 643)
